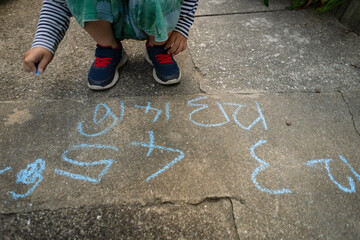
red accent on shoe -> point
(147, 43)
(164, 58)
(117, 48)
(102, 62)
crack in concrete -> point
(352, 115)
(230, 199)
(157, 202)
(198, 73)
(217, 199)
(239, 13)
(233, 215)
(198, 76)
(355, 66)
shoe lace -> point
(102, 62)
(164, 58)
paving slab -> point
(352, 98)
(190, 161)
(66, 76)
(291, 51)
(255, 224)
(288, 155)
(215, 7)
(166, 221)
(252, 224)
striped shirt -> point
(55, 19)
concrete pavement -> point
(259, 141)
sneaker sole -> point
(116, 76)
(157, 79)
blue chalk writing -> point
(148, 108)
(260, 118)
(352, 188)
(107, 113)
(107, 163)
(263, 165)
(152, 146)
(205, 106)
(167, 111)
(227, 120)
(31, 175)
(351, 168)
(122, 110)
(5, 170)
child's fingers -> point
(181, 48)
(176, 43)
(172, 49)
(29, 65)
(37, 59)
(175, 46)
(178, 47)
(44, 62)
(169, 43)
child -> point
(163, 23)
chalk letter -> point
(4, 170)
(152, 146)
(107, 113)
(107, 163)
(261, 116)
(205, 106)
(263, 165)
(352, 188)
(31, 175)
(148, 107)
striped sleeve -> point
(187, 16)
(53, 24)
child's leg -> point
(101, 31)
(166, 70)
(152, 40)
(157, 19)
(97, 18)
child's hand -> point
(37, 57)
(176, 43)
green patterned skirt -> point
(131, 19)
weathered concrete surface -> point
(218, 161)
(253, 224)
(279, 52)
(214, 7)
(280, 222)
(229, 177)
(352, 98)
(208, 220)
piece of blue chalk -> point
(37, 72)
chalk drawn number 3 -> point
(263, 166)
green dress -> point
(131, 19)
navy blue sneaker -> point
(166, 70)
(104, 72)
